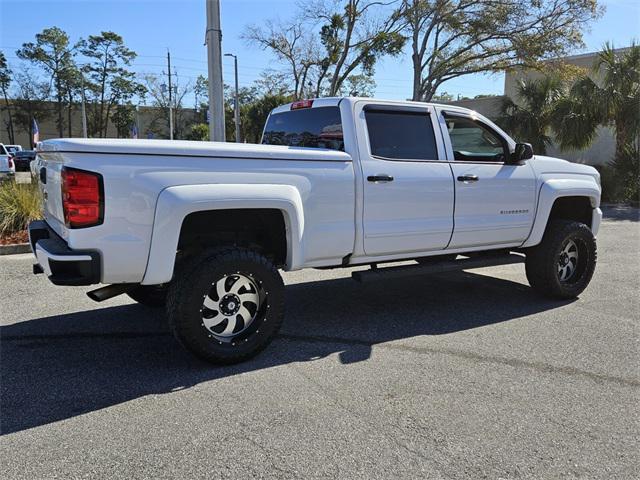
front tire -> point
(562, 265)
(226, 305)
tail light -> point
(301, 104)
(82, 198)
(10, 162)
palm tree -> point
(530, 119)
(611, 98)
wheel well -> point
(260, 229)
(572, 208)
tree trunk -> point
(622, 137)
(417, 78)
(59, 99)
(10, 131)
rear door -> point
(408, 190)
(495, 200)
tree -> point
(110, 83)
(51, 51)
(453, 38)
(5, 82)
(256, 113)
(123, 118)
(354, 37)
(159, 95)
(31, 101)
(531, 116)
(292, 44)
(198, 132)
(610, 97)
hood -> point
(545, 165)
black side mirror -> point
(522, 152)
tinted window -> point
(319, 127)
(401, 135)
(472, 141)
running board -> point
(486, 260)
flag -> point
(36, 132)
(134, 131)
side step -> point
(486, 260)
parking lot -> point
(459, 375)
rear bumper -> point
(61, 264)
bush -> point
(19, 204)
(621, 178)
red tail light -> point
(301, 104)
(10, 162)
(82, 198)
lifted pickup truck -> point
(201, 229)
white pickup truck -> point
(202, 228)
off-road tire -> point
(154, 296)
(193, 285)
(543, 262)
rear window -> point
(401, 135)
(319, 127)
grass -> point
(20, 203)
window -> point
(474, 142)
(319, 127)
(401, 134)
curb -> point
(13, 249)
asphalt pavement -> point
(464, 375)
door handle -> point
(468, 178)
(380, 178)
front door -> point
(495, 200)
(408, 187)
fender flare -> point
(553, 189)
(175, 203)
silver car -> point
(7, 166)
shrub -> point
(627, 173)
(19, 204)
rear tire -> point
(154, 296)
(562, 265)
(226, 305)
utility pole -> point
(214, 57)
(170, 102)
(236, 103)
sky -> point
(150, 27)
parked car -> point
(7, 166)
(13, 148)
(202, 228)
(22, 159)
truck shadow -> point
(58, 367)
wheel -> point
(154, 296)
(436, 258)
(563, 264)
(225, 306)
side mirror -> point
(522, 152)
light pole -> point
(216, 93)
(236, 104)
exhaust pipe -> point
(110, 291)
